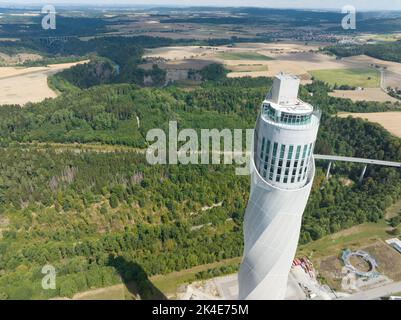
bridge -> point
(355, 160)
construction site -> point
(302, 285)
(370, 273)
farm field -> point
(233, 55)
(367, 94)
(181, 52)
(303, 60)
(387, 37)
(23, 85)
(389, 120)
(269, 59)
(248, 67)
(7, 60)
(358, 77)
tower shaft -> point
(282, 172)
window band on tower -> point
(273, 162)
(280, 166)
(283, 163)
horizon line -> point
(17, 5)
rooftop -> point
(299, 107)
(283, 96)
(286, 77)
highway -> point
(376, 293)
(357, 160)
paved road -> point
(359, 160)
(376, 293)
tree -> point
(114, 201)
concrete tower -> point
(282, 170)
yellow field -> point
(23, 85)
(391, 121)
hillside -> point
(100, 212)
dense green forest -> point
(101, 215)
(390, 51)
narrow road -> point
(386, 290)
(382, 82)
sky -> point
(296, 4)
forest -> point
(389, 51)
(103, 215)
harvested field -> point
(391, 121)
(181, 53)
(23, 85)
(368, 94)
(7, 60)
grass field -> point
(232, 55)
(358, 77)
(117, 292)
(355, 237)
(168, 283)
(393, 211)
(248, 68)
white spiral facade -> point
(282, 172)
